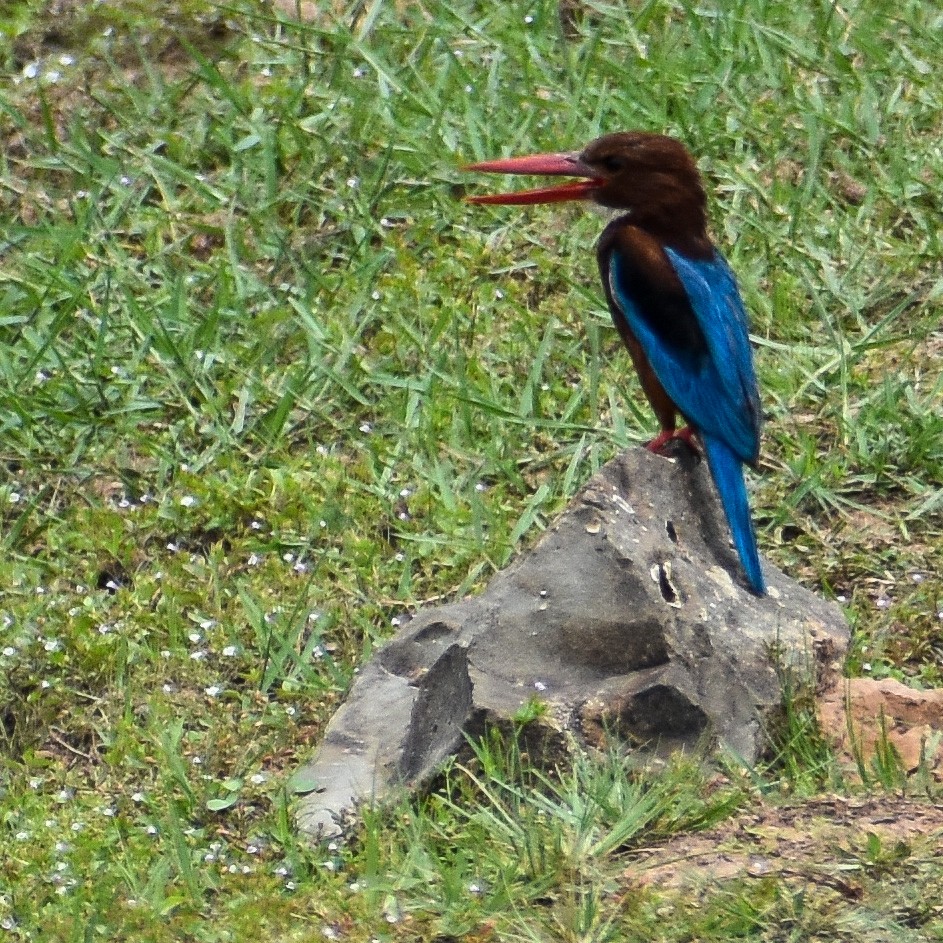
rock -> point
(858, 715)
(630, 618)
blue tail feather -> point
(727, 472)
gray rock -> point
(630, 618)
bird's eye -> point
(613, 163)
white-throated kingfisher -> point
(673, 298)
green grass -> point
(266, 383)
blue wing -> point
(712, 382)
(707, 370)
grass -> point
(266, 383)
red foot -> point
(686, 434)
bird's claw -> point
(660, 442)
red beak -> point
(560, 165)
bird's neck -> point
(674, 211)
(682, 228)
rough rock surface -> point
(630, 618)
(859, 714)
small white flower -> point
(230, 651)
(31, 70)
(188, 500)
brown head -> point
(650, 176)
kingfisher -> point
(673, 298)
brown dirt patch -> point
(827, 841)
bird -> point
(673, 299)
